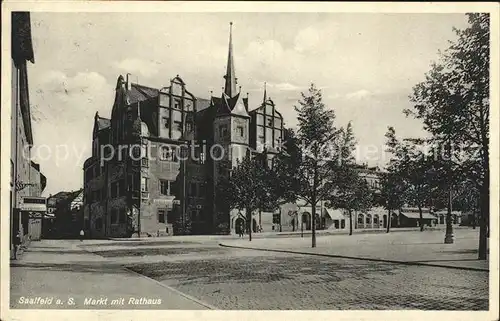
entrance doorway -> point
(239, 225)
(306, 221)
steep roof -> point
(103, 123)
(202, 103)
(141, 93)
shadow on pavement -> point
(138, 243)
(160, 251)
(74, 267)
(263, 269)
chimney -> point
(128, 82)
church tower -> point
(231, 131)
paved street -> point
(231, 278)
(411, 247)
(60, 270)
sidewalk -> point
(54, 270)
(415, 248)
(266, 235)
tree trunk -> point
(313, 227)
(249, 224)
(350, 222)
(483, 223)
(448, 239)
(260, 218)
(421, 218)
(388, 221)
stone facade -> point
(163, 180)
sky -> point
(365, 64)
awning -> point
(333, 214)
(458, 213)
(417, 215)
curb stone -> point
(359, 258)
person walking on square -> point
(82, 234)
(17, 243)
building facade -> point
(156, 161)
(26, 180)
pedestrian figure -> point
(241, 230)
(82, 234)
(17, 243)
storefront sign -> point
(34, 215)
(34, 204)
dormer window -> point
(177, 104)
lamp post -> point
(449, 238)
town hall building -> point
(156, 161)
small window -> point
(161, 216)
(166, 122)
(170, 216)
(177, 104)
(223, 131)
(241, 131)
(164, 187)
(189, 127)
(166, 153)
(270, 121)
(144, 184)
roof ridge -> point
(143, 86)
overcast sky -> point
(365, 64)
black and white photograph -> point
(276, 157)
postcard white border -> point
(192, 6)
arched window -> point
(375, 219)
(368, 219)
(361, 219)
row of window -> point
(177, 124)
(224, 131)
(269, 121)
(169, 188)
(167, 216)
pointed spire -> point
(230, 86)
(265, 93)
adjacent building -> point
(65, 215)
(26, 180)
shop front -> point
(32, 210)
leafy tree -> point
(351, 192)
(453, 103)
(246, 189)
(392, 194)
(318, 137)
(410, 162)
(284, 172)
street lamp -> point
(449, 238)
